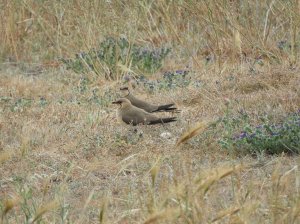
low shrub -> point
(113, 51)
(268, 137)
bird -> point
(131, 114)
(150, 108)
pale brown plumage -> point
(133, 115)
(150, 108)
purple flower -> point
(243, 134)
(179, 72)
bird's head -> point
(125, 91)
(123, 102)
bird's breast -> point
(119, 115)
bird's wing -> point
(150, 117)
(141, 104)
(136, 116)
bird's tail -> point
(167, 107)
(163, 120)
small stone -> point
(166, 135)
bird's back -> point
(141, 104)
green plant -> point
(170, 80)
(104, 99)
(268, 137)
(113, 51)
(20, 104)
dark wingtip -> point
(173, 109)
(172, 119)
(168, 108)
(163, 120)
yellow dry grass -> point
(79, 155)
(191, 132)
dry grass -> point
(64, 158)
(80, 156)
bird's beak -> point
(118, 103)
(124, 88)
